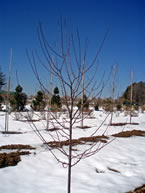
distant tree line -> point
(18, 99)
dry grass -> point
(130, 133)
(80, 141)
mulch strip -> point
(80, 141)
(16, 146)
(11, 159)
(53, 129)
(130, 133)
(11, 132)
(33, 120)
(138, 190)
(122, 124)
(83, 127)
(113, 170)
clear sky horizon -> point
(124, 46)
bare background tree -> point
(8, 93)
(115, 68)
(131, 96)
(76, 77)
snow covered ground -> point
(117, 168)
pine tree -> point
(19, 100)
(138, 95)
(2, 80)
(56, 100)
(1, 100)
(85, 103)
(38, 103)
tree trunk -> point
(70, 158)
(8, 93)
(131, 96)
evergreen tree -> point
(56, 100)
(1, 100)
(38, 103)
(96, 107)
(2, 80)
(19, 100)
(138, 94)
(85, 103)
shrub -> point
(143, 108)
(118, 107)
(136, 107)
(108, 108)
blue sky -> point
(124, 46)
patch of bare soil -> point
(138, 190)
(130, 133)
(11, 159)
(80, 141)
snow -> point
(41, 173)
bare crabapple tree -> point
(76, 75)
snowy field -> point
(119, 167)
